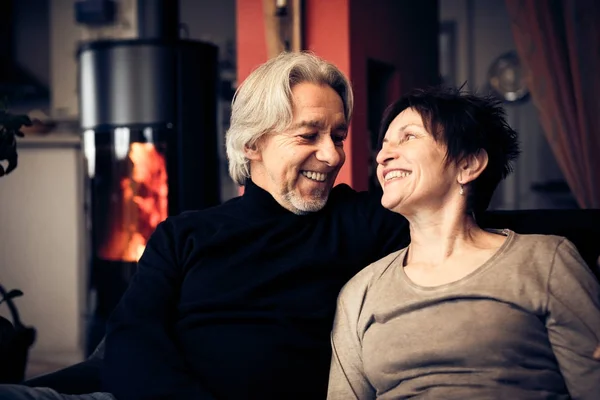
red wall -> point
(402, 34)
(327, 34)
(250, 37)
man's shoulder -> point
(205, 218)
(381, 229)
(342, 194)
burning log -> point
(140, 206)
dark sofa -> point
(582, 227)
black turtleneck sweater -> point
(237, 301)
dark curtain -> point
(558, 43)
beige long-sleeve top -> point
(524, 325)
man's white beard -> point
(303, 206)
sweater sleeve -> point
(347, 379)
(573, 321)
(141, 359)
(389, 229)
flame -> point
(144, 204)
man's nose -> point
(329, 153)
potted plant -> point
(15, 341)
(10, 128)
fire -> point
(144, 204)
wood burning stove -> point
(148, 115)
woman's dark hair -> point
(465, 123)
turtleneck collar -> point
(261, 203)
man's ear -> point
(470, 167)
(252, 152)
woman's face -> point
(412, 168)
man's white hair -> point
(263, 102)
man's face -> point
(299, 165)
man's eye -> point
(338, 140)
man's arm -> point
(390, 230)
(141, 359)
(573, 321)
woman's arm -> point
(573, 321)
(347, 379)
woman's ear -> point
(472, 166)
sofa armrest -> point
(84, 377)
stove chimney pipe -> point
(158, 19)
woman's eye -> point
(409, 136)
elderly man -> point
(237, 301)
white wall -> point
(484, 33)
(42, 237)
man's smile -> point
(314, 176)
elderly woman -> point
(462, 312)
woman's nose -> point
(384, 156)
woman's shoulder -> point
(351, 299)
(538, 243)
(547, 253)
(363, 280)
